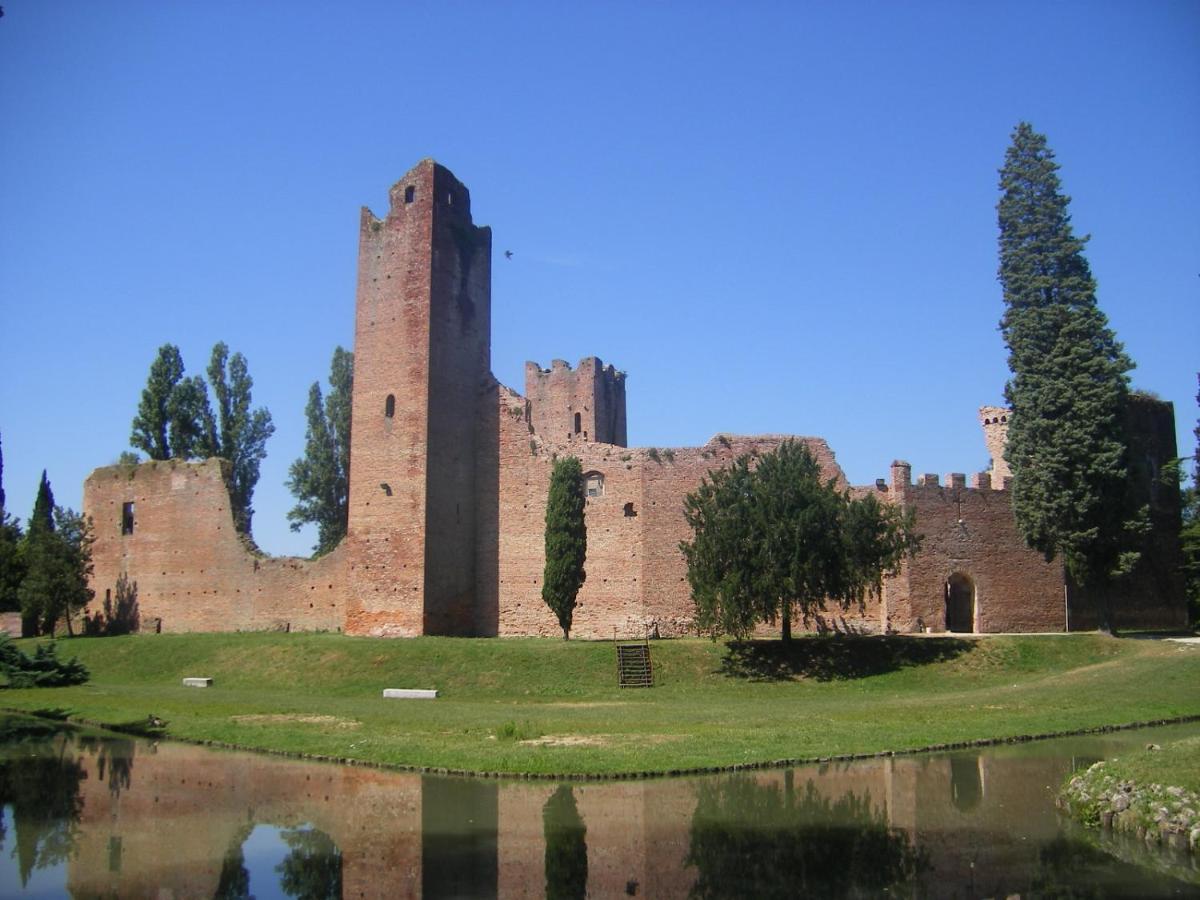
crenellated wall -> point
(577, 405)
(450, 471)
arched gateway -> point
(960, 603)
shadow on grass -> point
(835, 658)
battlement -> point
(586, 403)
(901, 481)
(994, 420)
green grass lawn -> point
(1176, 763)
(549, 706)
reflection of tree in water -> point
(566, 846)
(765, 840)
(39, 779)
(312, 870)
(234, 883)
(114, 761)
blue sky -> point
(776, 217)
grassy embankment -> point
(546, 706)
(1153, 794)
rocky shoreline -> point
(1155, 813)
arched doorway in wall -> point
(960, 603)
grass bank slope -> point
(548, 706)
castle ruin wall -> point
(193, 570)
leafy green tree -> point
(566, 846)
(240, 433)
(192, 430)
(152, 425)
(12, 566)
(1067, 445)
(775, 539)
(320, 480)
(566, 541)
(58, 561)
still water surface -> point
(91, 815)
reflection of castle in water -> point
(169, 820)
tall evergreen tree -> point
(566, 541)
(239, 433)
(42, 519)
(320, 480)
(1066, 438)
(56, 556)
(12, 568)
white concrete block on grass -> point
(197, 682)
(408, 694)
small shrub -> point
(653, 454)
(669, 454)
(45, 669)
(515, 732)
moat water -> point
(93, 815)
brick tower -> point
(422, 360)
(582, 404)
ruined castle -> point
(450, 471)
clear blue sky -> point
(776, 217)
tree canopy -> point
(12, 566)
(320, 480)
(1067, 445)
(175, 420)
(56, 556)
(773, 538)
(240, 433)
(566, 541)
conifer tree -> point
(240, 433)
(42, 519)
(566, 541)
(1066, 437)
(57, 558)
(772, 539)
(12, 568)
(320, 480)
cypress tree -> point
(42, 520)
(12, 567)
(566, 541)
(1066, 438)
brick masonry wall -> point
(192, 569)
(450, 472)
(385, 543)
(971, 531)
(593, 391)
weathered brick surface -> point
(450, 471)
(193, 571)
(577, 405)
